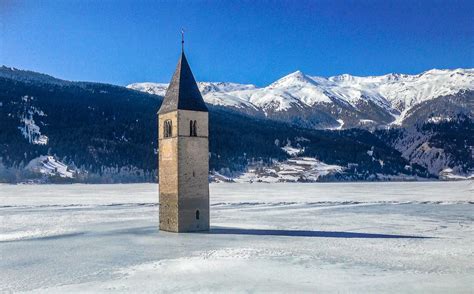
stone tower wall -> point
(168, 173)
(183, 173)
(193, 174)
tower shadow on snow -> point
(304, 233)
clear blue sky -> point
(121, 42)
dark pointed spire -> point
(183, 92)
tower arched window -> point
(192, 128)
(197, 214)
(168, 128)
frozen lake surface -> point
(346, 237)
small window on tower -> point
(197, 214)
(167, 129)
(192, 128)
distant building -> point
(183, 155)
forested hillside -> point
(106, 133)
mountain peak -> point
(296, 75)
(294, 78)
(343, 77)
(440, 72)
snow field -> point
(346, 237)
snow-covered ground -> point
(48, 165)
(345, 237)
(296, 169)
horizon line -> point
(289, 74)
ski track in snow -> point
(347, 237)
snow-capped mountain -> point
(109, 136)
(342, 101)
(151, 88)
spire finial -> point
(182, 40)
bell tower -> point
(183, 154)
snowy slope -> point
(208, 87)
(218, 93)
(391, 95)
(404, 91)
(151, 88)
(28, 126)
(297, 169)
(50, 166)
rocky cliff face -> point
(437, 145)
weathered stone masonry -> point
(183, 155)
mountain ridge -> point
(357, 101)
